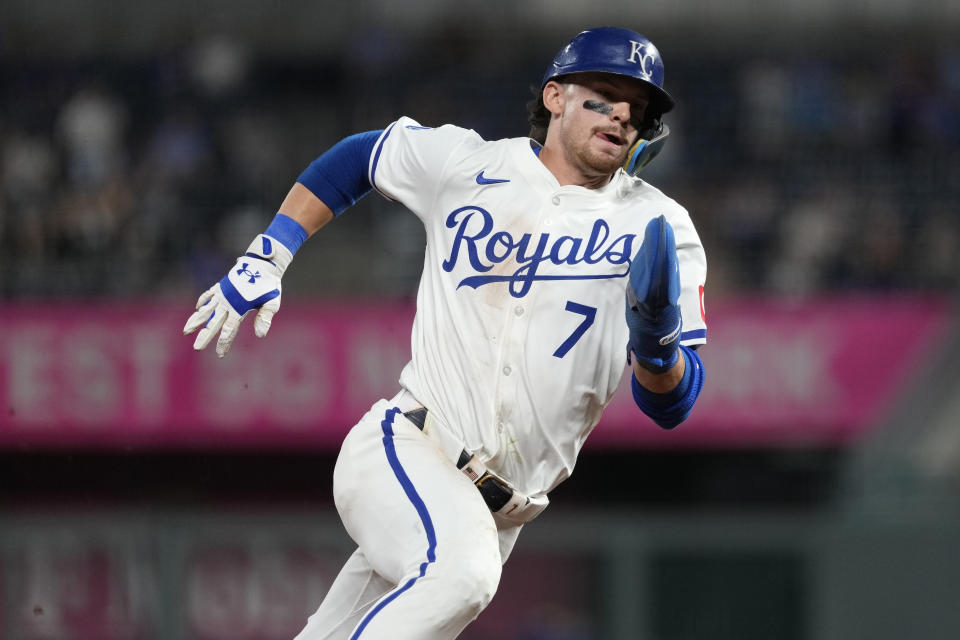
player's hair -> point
(537, 116)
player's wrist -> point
(269, 249)
(657, 364)
(279, 242)
(654, 337)
(670, 408)
(287, 232)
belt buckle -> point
(496, 491)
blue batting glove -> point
(653, 294)
(252, 283)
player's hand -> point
(252, 283)
(653, 294)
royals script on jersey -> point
(519, 339)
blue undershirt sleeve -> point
(339, 176)
(671, 408)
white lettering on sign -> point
(91, 377)
(286, 379)
(85, 375)
(150, 357)
(31, 395)
(763, 367)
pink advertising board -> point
(811, 373)
(817, 372)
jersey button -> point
(507, 370)
(518, 311)
(555, 200)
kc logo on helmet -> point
(639, 53)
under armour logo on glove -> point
(253, 275)
(253, 283)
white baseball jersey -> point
(519, 339)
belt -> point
(496, 491)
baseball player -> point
(548, 266)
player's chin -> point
(608, 162)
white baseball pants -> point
(429, 554)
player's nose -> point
(620, 112)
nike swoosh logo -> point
(483, 180)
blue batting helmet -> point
(618, 51)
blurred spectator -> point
(765, 97)
(936, 243)
(811, 239)
(29, 168)
(91, 127)
(218, 66)
(179, 149)
(805, 175)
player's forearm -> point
(330, 184)
(673, 404)
(660, 382)
(306, 209)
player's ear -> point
(554, 97)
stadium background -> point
(142, 144)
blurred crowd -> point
(145, 176)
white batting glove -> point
(252, 283)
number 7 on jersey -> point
(589, 315)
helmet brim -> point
(660, 101)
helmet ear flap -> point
(650, 141)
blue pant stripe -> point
(412, 495)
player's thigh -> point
(404, 503)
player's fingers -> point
(263, 319)
(198, 318)
(205, 308)
(206, 296)
(231, 327)
(211, 327)
(261, 324)
(654, 270)
(667, 284)
(659, 275)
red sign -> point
(80, 588)
(251, 590)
